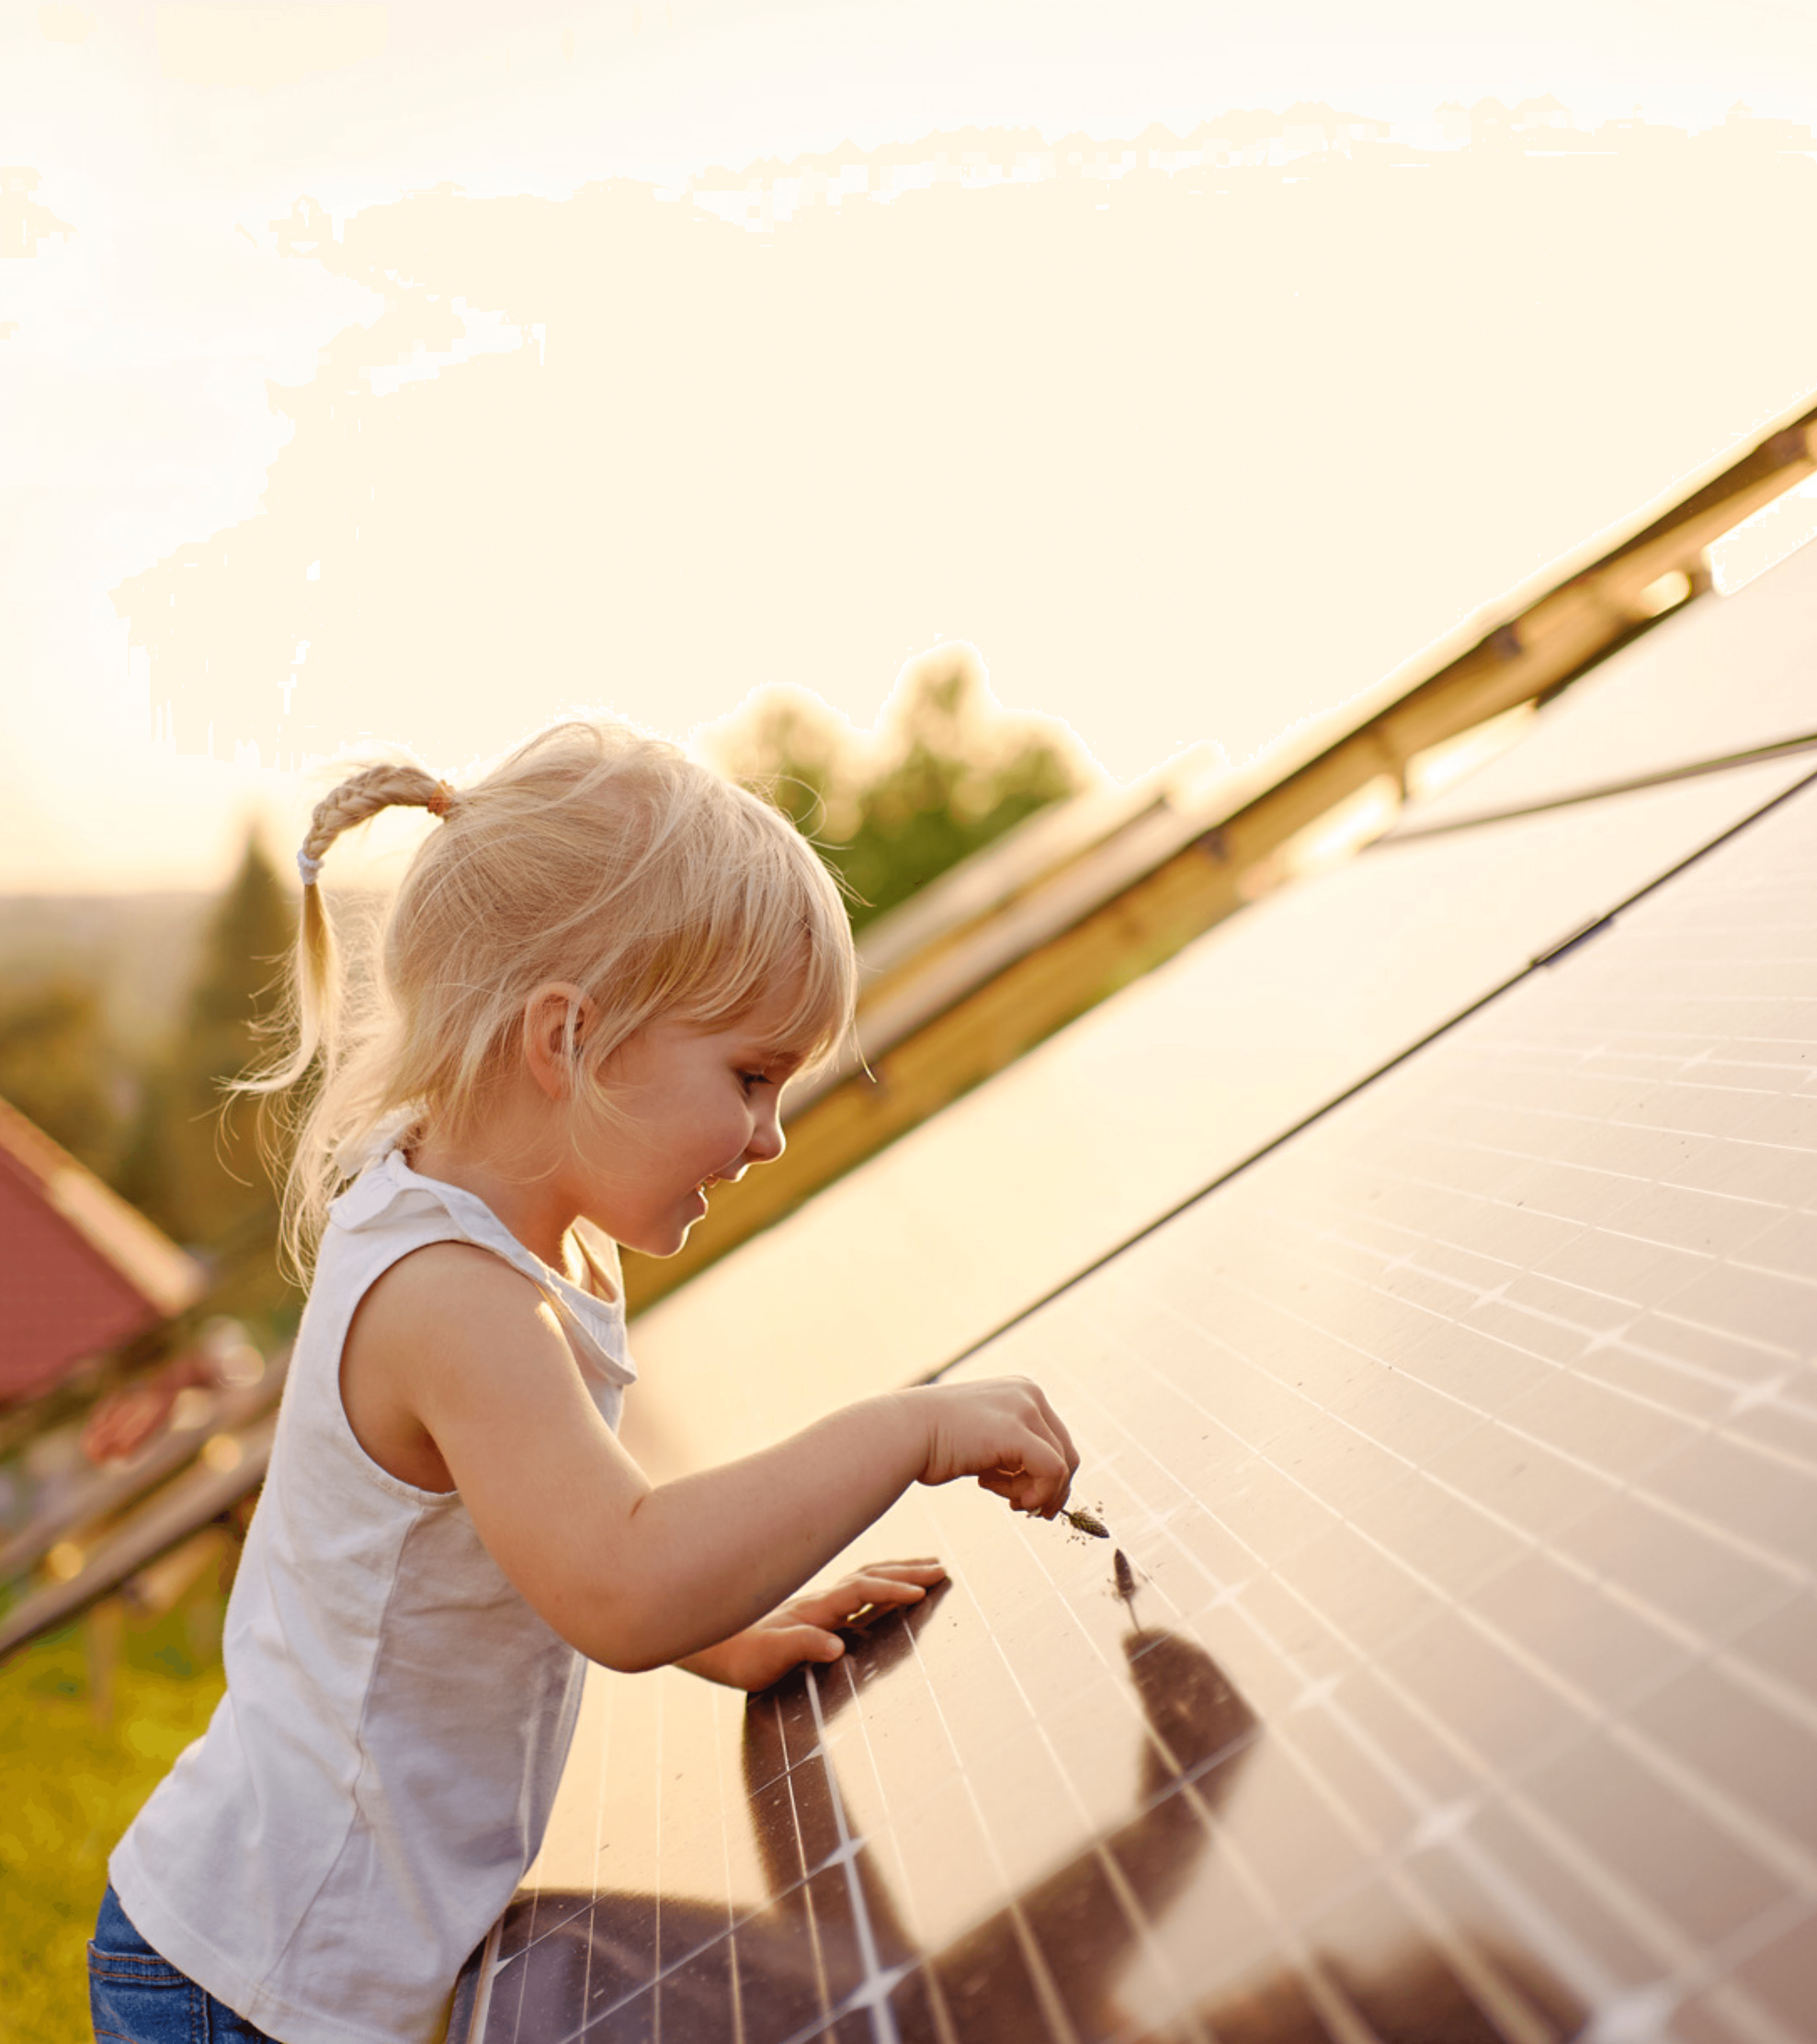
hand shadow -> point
(1083, 1920)
(829, 1947)
(1067, 1939)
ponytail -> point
(318, 979)
(312, 1014)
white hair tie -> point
(309, 868)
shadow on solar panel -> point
(830, 1955)
(1460, 1683)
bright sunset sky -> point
(1182, 465)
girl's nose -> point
(766, 1141)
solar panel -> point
(1273, 1014)
(1461, 1680)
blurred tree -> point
(194, 1164)
(950, 772)
(59, 1066)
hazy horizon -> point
(343, 325)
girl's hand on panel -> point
(1004, 1432)
(803, 1628)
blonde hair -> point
(592, 856)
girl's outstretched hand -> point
(1004, 1432)
(803, 1628)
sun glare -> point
(1774, 534)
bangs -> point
(818, 1024)
(783, 926)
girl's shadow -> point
(829, 1945)
(828, 1955)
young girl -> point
(595, 981)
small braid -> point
(380, 787)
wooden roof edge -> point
(1705, 496)
(1770, 464)
(997, 872)
(1002, 875)
(1492, 641)
(1791, 439)
(1022, 925)
(167, 1278)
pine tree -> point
(194, 1164)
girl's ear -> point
(556, 1019)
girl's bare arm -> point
(637, 1575)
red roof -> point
(80, 1270)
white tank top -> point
(376, 1779)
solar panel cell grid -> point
(1464, 1454)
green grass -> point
(76, 1767)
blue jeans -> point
(137, 1998)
